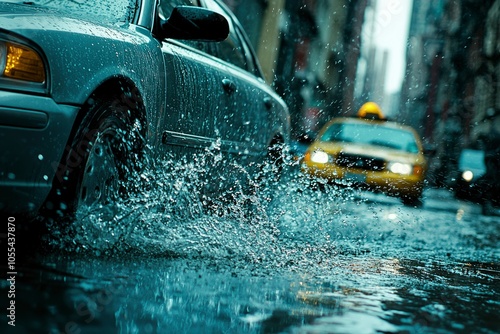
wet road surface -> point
(305, 262)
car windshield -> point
(113, 12)
(376, 135)
(472, 159)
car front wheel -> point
(101, 159)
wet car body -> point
(103, 74)
(370, 157)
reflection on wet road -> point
(307, 262)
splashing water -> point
(262, 227)
(169, 214)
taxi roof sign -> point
(371, 110)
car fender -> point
(82, 55)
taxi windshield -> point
(377, 135)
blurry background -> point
(431, 64)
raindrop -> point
(40, 157)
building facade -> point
(451, 83)
(309, 51)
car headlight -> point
(467, 175)
(319, 157)
(21, 63)
(400, 168)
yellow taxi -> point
(369, 151)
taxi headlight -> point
(21, 62)
(467, 175)
(400, 168)
(319, 157)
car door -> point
(244, 125)
(201, 104)
(193, 89)
(214, 101)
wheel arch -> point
(106, 90)
(115, 86)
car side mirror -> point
(195, 23)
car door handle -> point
(268, 102)
(228, 85)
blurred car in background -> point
(371, 152)
(470, 169)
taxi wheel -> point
(100, 160)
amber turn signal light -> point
(21, 63)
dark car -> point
(471, 168)
(90, 91)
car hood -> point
(371, 151)
(32, 21)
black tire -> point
(101, 158)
